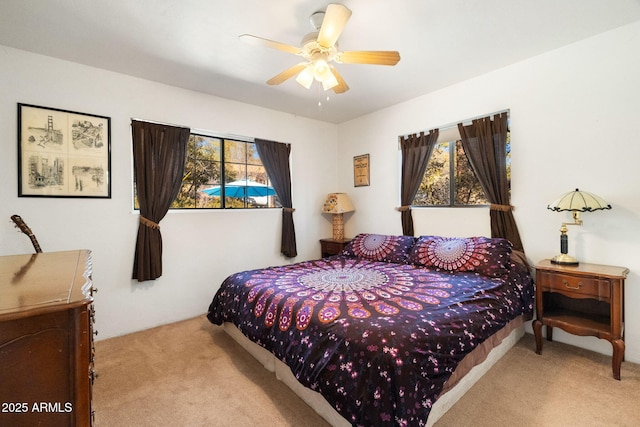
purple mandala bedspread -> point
(377, 339)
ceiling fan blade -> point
(375, 57)
(270, 43)
(335, 18)
(287, 74)
(342, 86)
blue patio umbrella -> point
(241, 189)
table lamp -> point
(337, 204)
(576, 202)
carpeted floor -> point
(191, 373)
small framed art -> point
(63, 153)
(361, 170)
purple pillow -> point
(379, 247)
(483, 255)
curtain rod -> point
(202, 131)
(455, 124)
(160, 123)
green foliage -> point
(435, 189)
(468, 189)
(202, 169)
(206, 158)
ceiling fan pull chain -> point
(319, 85)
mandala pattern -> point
(454, 254)
(479, 254)
(329, 290)
(377, 247)
(373, 246)
(347, 324)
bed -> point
(385, 329)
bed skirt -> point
(469, 371)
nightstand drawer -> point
(575, 286)
(331, 247)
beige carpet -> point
(192, 374)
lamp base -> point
(564, 259)
(338, 226)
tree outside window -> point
(449, 179)
(206, 158)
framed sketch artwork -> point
(361, 170)
(63, 153)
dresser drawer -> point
(575, 286)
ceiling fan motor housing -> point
(316, 19)
(312, 49)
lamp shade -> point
(578, 201)
(337, 203)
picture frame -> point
(63, 153)
(361, 172)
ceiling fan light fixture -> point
(320, 50)
(330, 82)
(321, 70)
(305, 77)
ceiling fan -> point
(320, 48)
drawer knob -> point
(566, 285)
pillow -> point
(483, 255)
(379, 247)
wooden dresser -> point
(46, 339)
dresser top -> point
(43, 280)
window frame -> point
(274, 203)
(453, 188)
(224, 162)
(450, 135)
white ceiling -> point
(194, 44)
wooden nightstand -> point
(586, 300)
(330, 247)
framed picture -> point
(361, 170)
(63, 153)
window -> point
(449, 180)
(244, 183)
(247, 183)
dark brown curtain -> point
(159, 153)
(275, 158)
(416, 150)
(484, 141)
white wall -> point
(574, 124)
(200, 248)
(574, 119)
